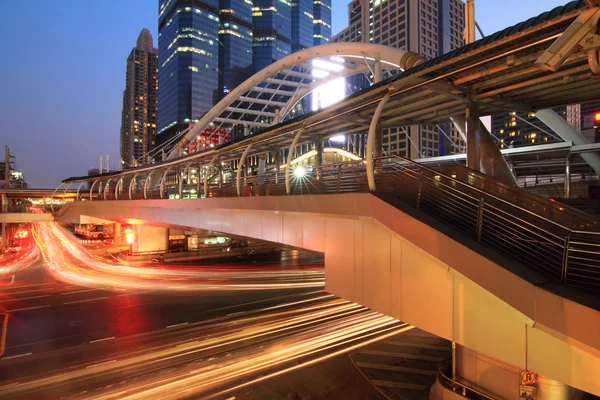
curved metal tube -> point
(207, 174)
(290, 157)
(131, 184)
(371, 142)
(118, 186)
(162, 182)
(92, 187)
(78, 189)
(181, 175)
(146, 185)
(106, 188)
(52, 198)
(241, 166)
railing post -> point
(480, 218)
(420, 184)
(565, 263)
(339, 178)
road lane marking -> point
(26, 298)
(102, 363)
(80, 291)
(128, 294)
(28, 308)
(85, 301)
(173, 326)
(101, 340)
(17, 356)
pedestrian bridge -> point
(488, 266)
(512, 277)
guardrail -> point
(560, 242)
(459, 387)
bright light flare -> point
(299, 172)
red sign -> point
(597, 117)
(527, 377)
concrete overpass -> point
(511, 278)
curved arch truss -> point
(282, 90)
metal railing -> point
(561, 242)
(459, 387)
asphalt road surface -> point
(64, 340)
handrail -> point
(460, 387)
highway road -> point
(67, 340)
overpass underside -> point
(401, 262)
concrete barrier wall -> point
(380, 257)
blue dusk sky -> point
(62, 75)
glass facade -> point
(235, 39)
(188, 60)
(302, 27)
(272, 21)
(321, 21)
(138, 117)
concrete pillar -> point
(4, 203)
(492, 162)
(500, 379)
(3, 241)
(117, 231)
(473, 137)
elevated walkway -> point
(488, 266)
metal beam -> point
(371, 142)
(207, 174)
(241, 166)
(568, 134)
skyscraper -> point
(272, 21)
(321, 21)
(235, 44)
(428, 27)
(206, 48)
(188, 61)
(138, 117)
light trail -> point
(68, 261)
(10, 264)
(215, 357)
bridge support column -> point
(498, 379)
(4, 203)
(207, 174)
(371, 142)
(473, 137)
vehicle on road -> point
(14, 248)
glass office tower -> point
(272, 21)
(188, 61)
(235, 39)
(321, 21)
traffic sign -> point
(527, 378)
